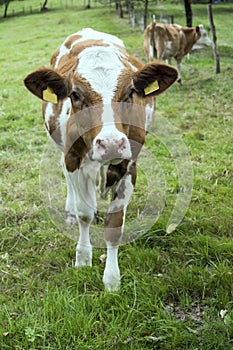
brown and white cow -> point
(88, 94)
(164, 41)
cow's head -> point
(203, 39)
(98, 123)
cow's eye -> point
(131, 93)
(74, 96)
(129, 97)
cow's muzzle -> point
(111, 148)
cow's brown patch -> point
(71, 40)
(77, 49)
(83, 94)
(53, 127)
(115, 172)
(113, 226)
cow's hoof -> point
(83, 256)
(112, 282)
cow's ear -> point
(47, 84)
(154, 78)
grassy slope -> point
(173, 286)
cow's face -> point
(203, 39)
(102, 104)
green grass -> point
(173, 285)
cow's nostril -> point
(100, 143)
(122, 144)
(101, 147)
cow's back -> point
(189, 37)
(167, 40)
(67, 54)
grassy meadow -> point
(177, 288)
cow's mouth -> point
(110, 159)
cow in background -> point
(88, 97)
(164, 41)
(202, 42)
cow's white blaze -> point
(108, 116)
(101, 66)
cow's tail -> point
(152, 38)
(149, 40)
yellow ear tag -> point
(151, 88)
(49, 95)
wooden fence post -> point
(215, 48)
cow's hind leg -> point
(179, 79)
(113, 231)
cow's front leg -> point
(83, 248)
(70, 212)
(83, 184)
(114, 226)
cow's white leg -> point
(83, 248)
(179, 79)
(71, 217)
(151, 52)
(83, 184)
(111, 276)
(113, 231)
